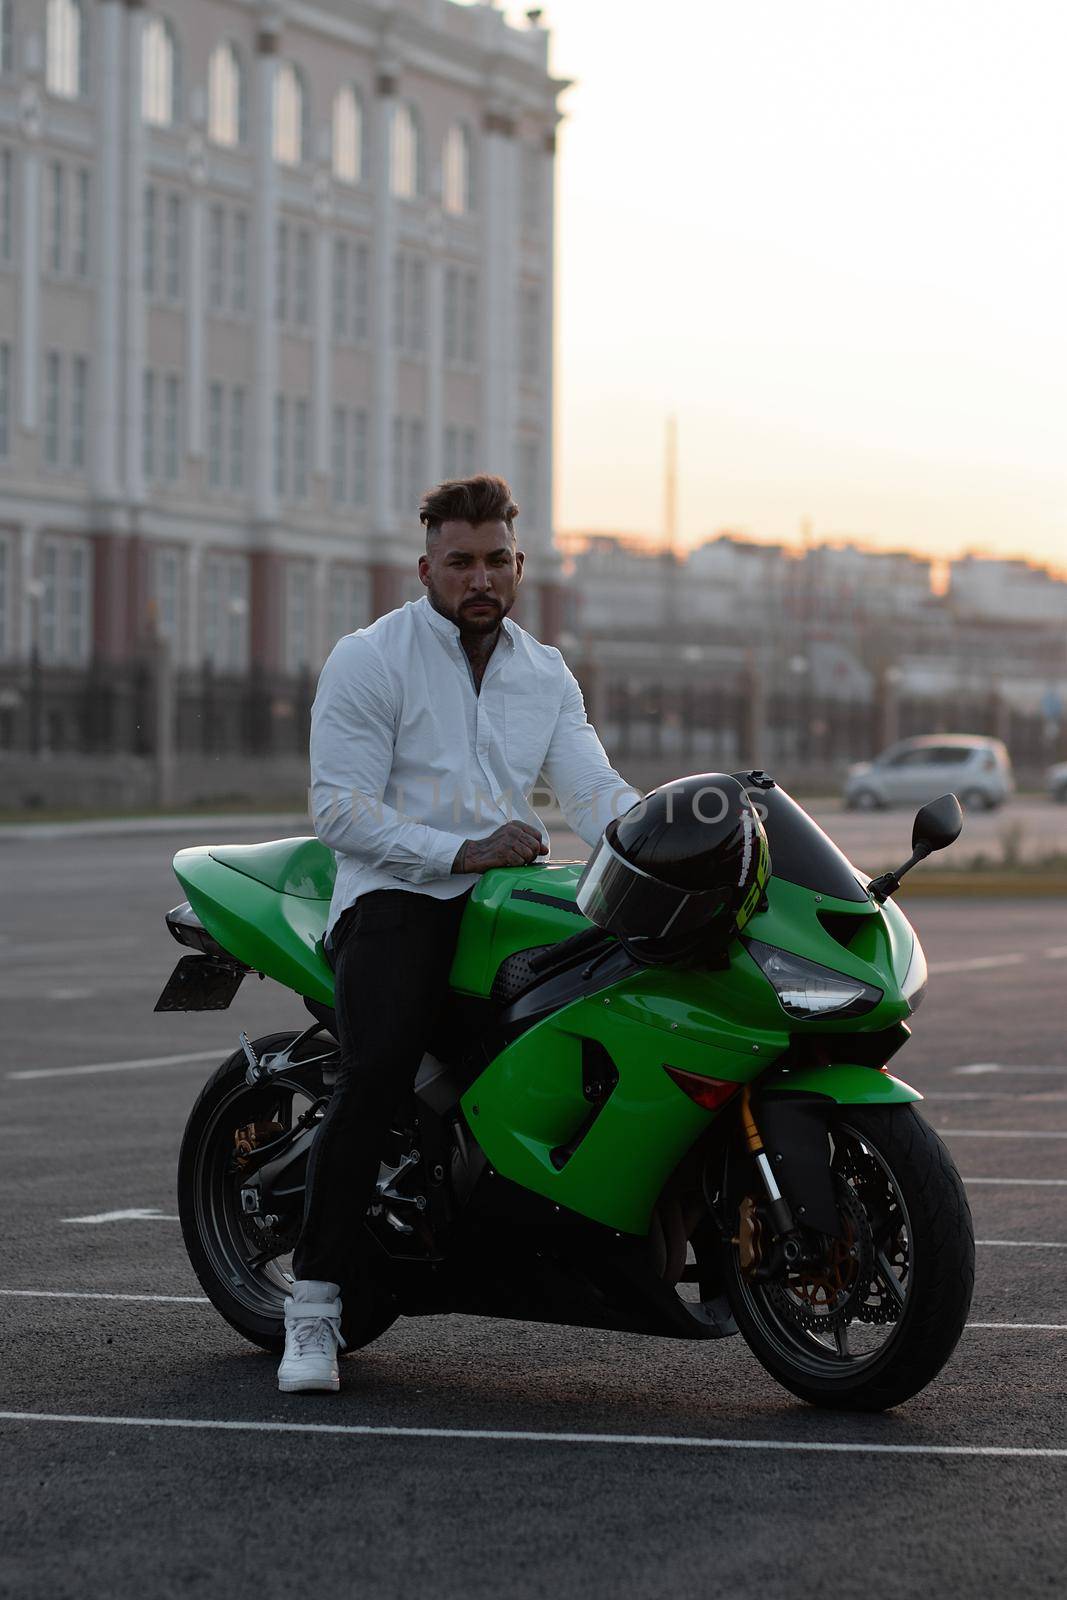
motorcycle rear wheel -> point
(248, 1295)
(922, 1226)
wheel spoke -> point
(889, 1277)
(841, 1341)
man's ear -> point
(520, 557)
(424, 570)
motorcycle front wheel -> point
(874, 1320)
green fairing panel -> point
(302, 866)
(529, 1100)
(849, 1086)
(498, 921)
(279, 934)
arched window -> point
(457, 187)
(67, 51)
(159, 73)
(406, 152)
(347, 135)
(290, 115)
(226, 96)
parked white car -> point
(976, 770)
(1056, 782)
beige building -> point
(268, 268)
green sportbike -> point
(683, 1140)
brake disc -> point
(821, 1295)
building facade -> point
(268, 269)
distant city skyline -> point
(830, 241)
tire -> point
(250, 1299)
(864, 800)
(975, 800)
(937, 1280)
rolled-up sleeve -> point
(589, 790)
(353, 720)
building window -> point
(416, 472)
(406, 163)
(300, 449)
(297, 619)
(5, 401)
(281, 272)
(409, 304)
(7, 58)
(470, 450)
(347, 135)
(80, 264)
(239, 286)
(457, 191)
(397, 485)
(149, 242)
(171, 427)
(349, 601)
(79, 403)
(6, 551)
(470, 319)
(359, 457)
(361, 294)
(532, 188)
(7, 241)
(290, 115)
(237, 439)
(224, 598)
(167, 589)
(339, 456)
(159, 73)
(530, 333)
(460, 449)
(340, 288)
(148, 425)
(216, 259)
(173, 285)
(281, 443)
(302, 278)
(225, 96)
(66, 52)
(63, 630)
(529, 468)
(51, 408)
(55, 217)
(214, 439)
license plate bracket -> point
(201, 983)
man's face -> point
(471, 574)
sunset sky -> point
(831, 237)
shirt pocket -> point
(528, 733)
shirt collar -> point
(450, 630)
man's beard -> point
(466, 619)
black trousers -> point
(391, 953)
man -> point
(428, 732)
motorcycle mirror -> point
(938, 824)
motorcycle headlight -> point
(914, 986)
(805, 989)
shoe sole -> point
(308, 1385)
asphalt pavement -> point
(144, 1449)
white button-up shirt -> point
(408, 759)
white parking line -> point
(1003, 1133)
(99, 1294)
(1025, 1244)
(530, 1436)
(136, 1214)
(976, 964)
(123, 1066)
(980, 1068)
(1024, 1183)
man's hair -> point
(484, 498)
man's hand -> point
(514, 844)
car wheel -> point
(864, 800)
(1060, 795)
(975, 800)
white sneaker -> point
(312, 1334)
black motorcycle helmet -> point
(683, 869)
